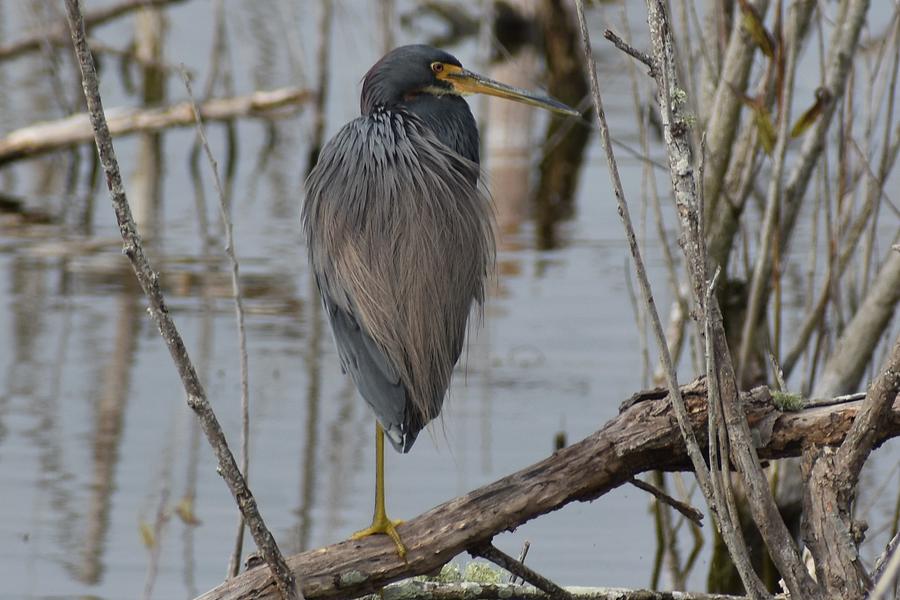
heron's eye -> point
(437, 67)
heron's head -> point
(408, 71)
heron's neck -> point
(449, 118)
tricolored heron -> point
(400, 239)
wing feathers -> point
(401, 242)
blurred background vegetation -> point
(105, 479)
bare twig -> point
(525, 547)
(676, 329)
(854, 348)
(719, 456)
(149, 281)
(769, 235)
(833, 477)
(743, 453)
(882, 560)
(691, 514)
(726, 106)
(678, 403)
(700, 468)
(841, 52)
(888, 577)
(498, 557)
(631, 51)
(235, 562)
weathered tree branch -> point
(149, 281)
(830, 531)
(841, 52)
(857, 342)
(643, 437)
(726, 107)
(765, 513)
(54, 135)
(701, 471)
(687, 511)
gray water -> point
(95, 435)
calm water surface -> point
(95, 438)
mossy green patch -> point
(787, 402)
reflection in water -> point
(509, 144)
(313, 396)
(144, 194)
(348, 440)
(187, 505)
(109, 418)
(520, 31)
(23, 380)
(323, 62)
(565, 142)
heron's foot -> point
(381, 524)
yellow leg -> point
(380, 521)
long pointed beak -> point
(468, 82)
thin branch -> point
(853, 349)
(719, 456)
(768, 241)
(502, 559)
(844, 43)
(672, 381)
(743, 451)
(700, 468)
(525, 547)
(882, 560)
(888, 577)
(631, 51)
(235, 562)
(690, 513)
(724, 112)
(149, 281)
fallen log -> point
(45, 137)
(644, 436)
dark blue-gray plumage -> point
(400, 237)
(400, 242)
